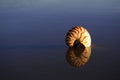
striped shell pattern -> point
(78, 35)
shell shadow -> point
(79, 56)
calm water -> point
(32, 37)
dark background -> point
(32, 34)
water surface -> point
(32, 34)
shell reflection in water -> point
(77, 57)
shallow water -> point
(32, 45)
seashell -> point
(78, 57)
(78, 36)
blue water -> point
(32, 34)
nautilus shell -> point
(78, 35)
(78, 57)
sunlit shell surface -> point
(78, 35)
(77, 57)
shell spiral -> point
(78, 35)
